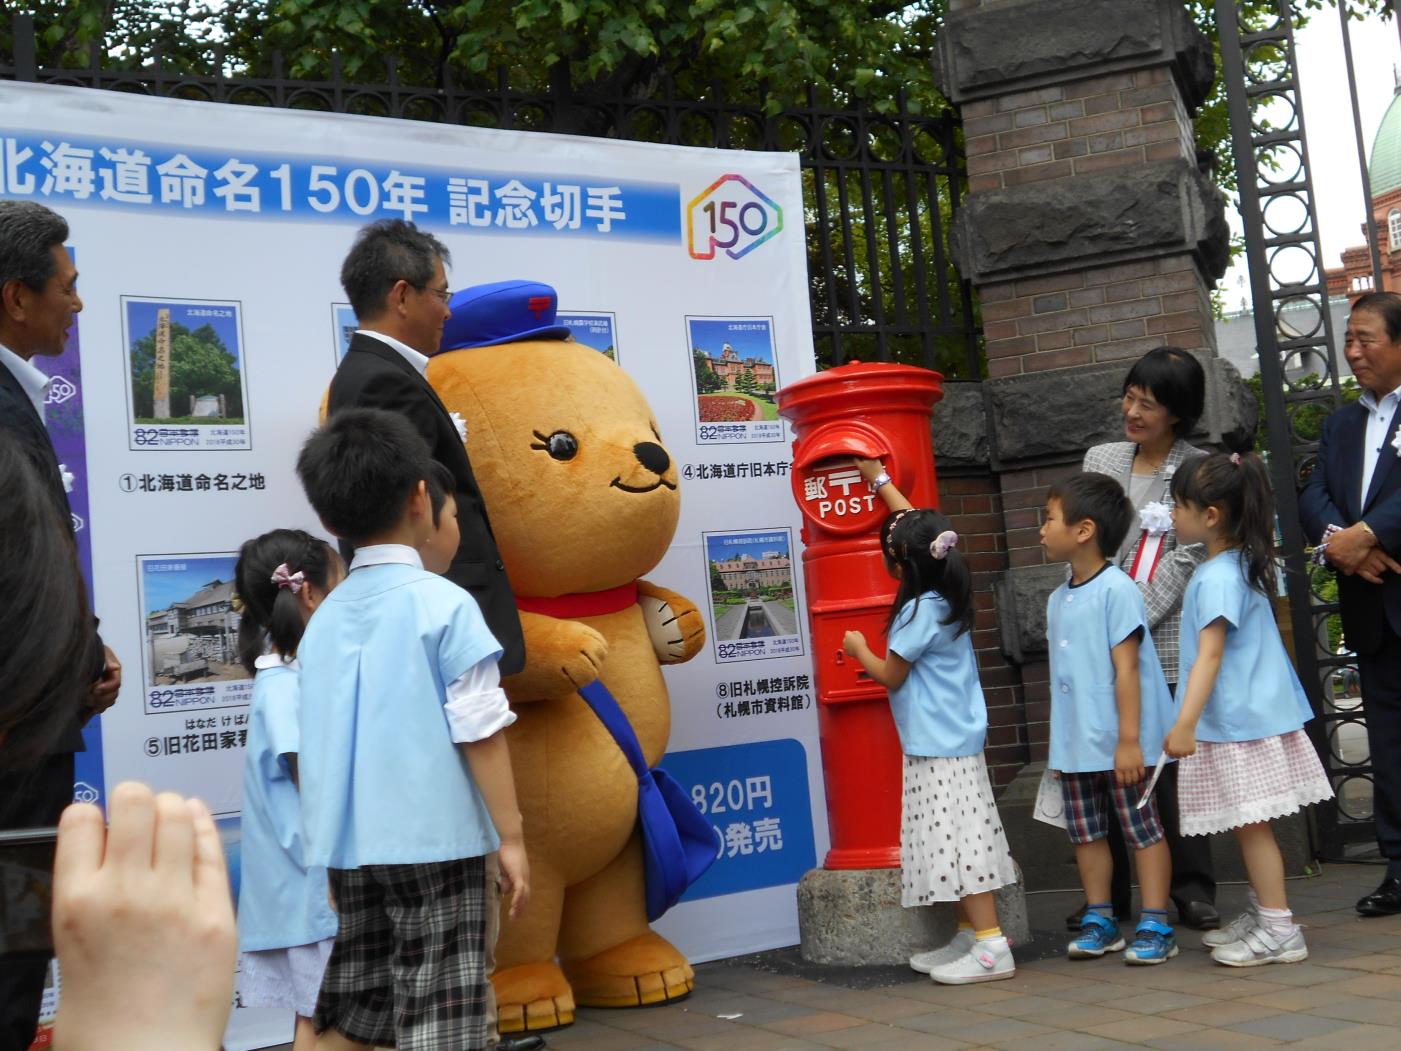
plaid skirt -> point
(1228, 784)
(409, 965)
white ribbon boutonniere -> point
(1396, 441)
(1155, 519)
(460, 424)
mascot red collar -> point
(583, 604)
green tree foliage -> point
(1306, 420)
(745, 384)
(706, 380)
(717, 582)
(844, 49)
(200, 364)
(771, 54)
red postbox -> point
(874, 411)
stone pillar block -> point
(989, 49)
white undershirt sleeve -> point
(476, 704)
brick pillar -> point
(1092, 235)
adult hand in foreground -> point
(143, 925)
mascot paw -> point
(583, 663)
(532, 997)
(644, 970)
(676, 627)
(561, 656)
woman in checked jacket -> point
(1164, 395)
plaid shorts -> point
(408, 969)
(1088, 799)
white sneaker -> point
(1233, 931)
(957, 946)
(986, 961)
(1260, 946)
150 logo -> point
(731, 214)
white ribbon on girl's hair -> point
(943, 544)
(293, 582)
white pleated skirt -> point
(951, 839)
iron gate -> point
(1298, 370)
(879, 189)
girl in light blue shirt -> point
(286, 926)
(952, 847)
(1239, 731)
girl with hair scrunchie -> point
(286, 926)
(952, 847)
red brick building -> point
(730, 367)
(1354, 277)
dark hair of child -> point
(359, 469)
(270, 615)
(51, 655)
(1102, 500)
(1238, 486)
(441, 485)
(906, 538)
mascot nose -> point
(652, 456)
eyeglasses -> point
(442, 293)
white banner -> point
(211, 237)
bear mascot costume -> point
(583, 501)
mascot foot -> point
(644, 970)
(531, 997)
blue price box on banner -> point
(755, 797)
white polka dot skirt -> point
(951, 839)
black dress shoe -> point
(521, 1042)
(1384, 901)
(1199, 915)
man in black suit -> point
(397, 285)
(1352, 502)
(38, 301)
(395, 277)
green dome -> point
(1385, 168)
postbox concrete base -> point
(853, 918)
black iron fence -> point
(879, 189)
(1298, 354)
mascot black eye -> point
(561, 445)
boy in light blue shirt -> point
(405, 775)
(1110, 708)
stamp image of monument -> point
(186, 383)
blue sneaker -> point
(1153, 942)
(1098, 935)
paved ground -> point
(1347, 997)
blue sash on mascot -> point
(678, 844)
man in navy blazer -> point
(1352, 502)
(38, 301)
